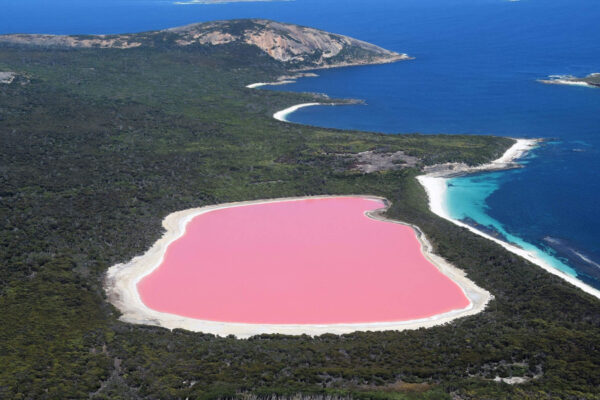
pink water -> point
(299, 262)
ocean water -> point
(475, 72)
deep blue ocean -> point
(475, 72)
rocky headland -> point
(297, 47)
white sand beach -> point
(283, 80)
(435, 184)
(122, 279)
(276, 83)
(283, 114)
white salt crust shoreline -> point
(435, 185)
(122, 279)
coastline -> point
(276, 83)
(283, 80)
(377, 61)
(565, 82)
(283, 114)
(571, 80)
(302, 72)
(434, 183)
(121, 282)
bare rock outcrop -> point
(288, 43)
(95, 41)
(7, 77)
(296, 46)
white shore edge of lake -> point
(121, 283)
(435, 184)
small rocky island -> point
(592, 80)
(296, 46)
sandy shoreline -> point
(283, 80)
(435, 185)
(276, 83)
(122, 279)
(283, 114)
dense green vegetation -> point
(98, 146)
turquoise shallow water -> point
(467, 201)
(475, 72)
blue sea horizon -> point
(475, 72)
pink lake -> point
(312, 261)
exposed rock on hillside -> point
(296, 46)
(95, 41)
(7, 77)
(372, 161)
(292, 44)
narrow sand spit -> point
(122, 279)
(435, 185)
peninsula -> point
(296, 46)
